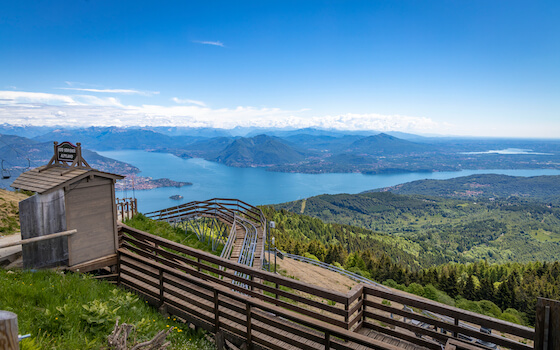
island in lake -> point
(147, 183)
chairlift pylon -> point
(5, 172)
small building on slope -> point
(69, 195)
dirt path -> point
(316, 275)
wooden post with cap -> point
(8, 331)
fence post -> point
(8, 331)
(161, 286)
(118, 268)
(455, 334)
(346, 315)
(248, 314)
(327, 340)
(547, 325)
(364, 298)
(216, 312)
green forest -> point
(438, 230)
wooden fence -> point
(127, 208)
(279, 313)
(219, 206)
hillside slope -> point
(9, 211)
(384, 145)
(260, 150)
(454, 230)
(537, 188)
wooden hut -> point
(69, 195)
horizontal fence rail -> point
(276, 312)
(441, 322)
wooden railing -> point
(127, 208)
(334, 307)
(226, 209)
(431, 324)
(197, 286)
(240, 318)
(225, 206)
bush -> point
(430, 292)
(490, 309)
(512, 315)
(469, 305)
(443, 298)
(390, 283)
(415, 288)
(310, 256)
(337, 264)
(362, 273)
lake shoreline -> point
(258, 186)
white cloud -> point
(84, 110)
(10, 97)
(213, 43)
(113, 91)
(187, 101)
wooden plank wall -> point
(42, 215)
(89, 209)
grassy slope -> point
(9, 211)
(73, 311)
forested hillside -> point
(447, 229)
(545, 189)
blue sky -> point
(480, 68)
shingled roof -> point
(43, 179)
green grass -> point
(545, 236)
(73, 311)
(175, 234)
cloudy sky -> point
(480, 68)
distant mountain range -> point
(310, 150)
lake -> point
(257, 186)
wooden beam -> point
(95, 264)
(38, 239)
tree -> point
(469, 291)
